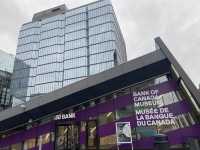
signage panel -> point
(123, 132)
(150, 109)
(65, 116)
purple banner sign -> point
(107, 129)
(24, 135)
(179, 136)
(150, 108)
(82, 138)
(120, 102)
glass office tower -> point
(6, 61)
(6, 70)
(62, 46)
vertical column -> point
(87, 37)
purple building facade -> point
(152, 94)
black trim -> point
(20, 45)
(103, 52)
(75, 31)
(21, 37)
(54, 62)
(75, 39)
(51, 45)
(29, 27)
(103, 62)
(47, 73)
(52, 37)
(47, 83)
(74, 78)
(50, 54)
(76, 67)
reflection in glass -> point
(30, 143)
(92, 134)
(107, 142)
(17, 146)
(67, 137)
(124, 112)
(106, 118)
(5, 148)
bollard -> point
(161, 142)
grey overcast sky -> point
(177, 22)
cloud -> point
(14, 13)
(11, 17)
(190, 23)
(176, 21)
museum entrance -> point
(67, 137)
(92, 136)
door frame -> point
(66, 123)
(87, 134)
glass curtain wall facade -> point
(5, 97)
(19, 81)
(6, 70)
(6, 61)
(68, 47)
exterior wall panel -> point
(176, 135)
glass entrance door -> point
(67, 137)
(92, 140)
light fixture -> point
(30, 121)
(108, 115)
(65, 130)
(93, 129)
(47, 136)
